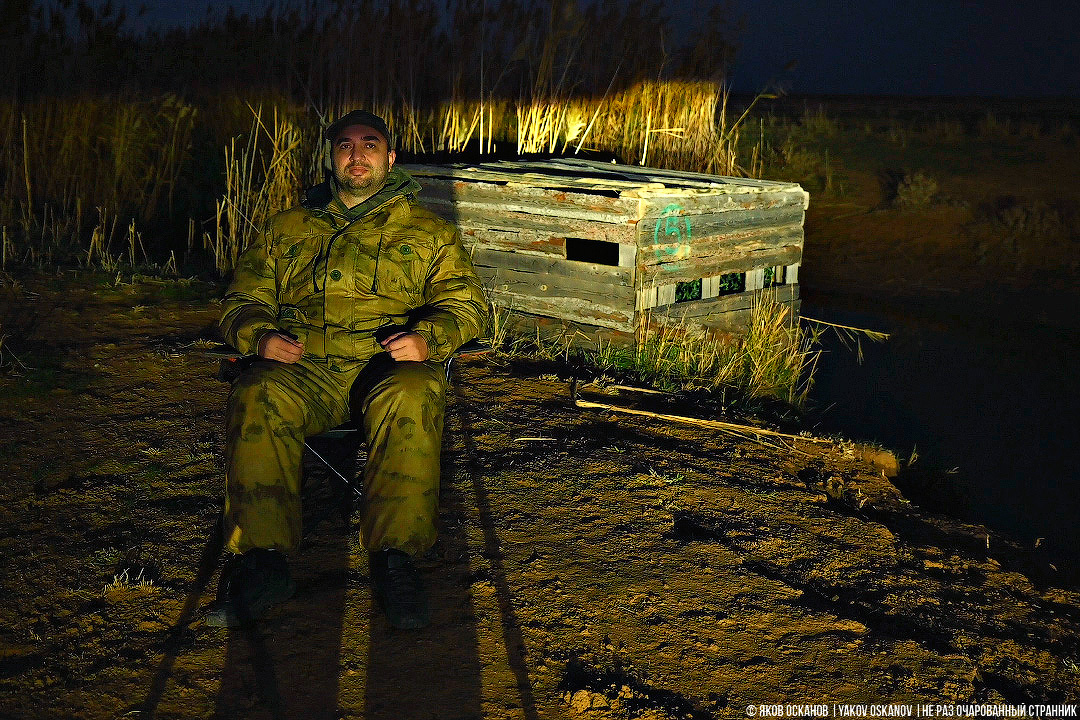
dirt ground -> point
(591, 564)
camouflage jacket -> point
(334, 278)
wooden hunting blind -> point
(604, 248)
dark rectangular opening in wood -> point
(600, 252)
(688, 291)
(731, 283)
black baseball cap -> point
(358, 117)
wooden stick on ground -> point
(736, 428)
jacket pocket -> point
(296, 271)
(401, 270)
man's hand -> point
(406, 346)
(280, 347)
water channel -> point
(986, 398)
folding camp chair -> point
(351, 430)
(233, 364)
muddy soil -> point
(590, 564)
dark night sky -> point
(1020, 48)
(917, 47)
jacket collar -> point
(322, 198)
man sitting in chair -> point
(354, 299)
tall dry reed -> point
(61, 157)
(262, 176)
(487, 77)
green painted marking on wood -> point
(673, 230)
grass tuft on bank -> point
(773, 359)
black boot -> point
(399, 589)
(250, 585)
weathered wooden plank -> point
(568, 176)
(525, 241)
(521, 181)
(647, 298)
(539, 201)
(551, 225)
(716, 247)
(735, 321)
(661, 175)
(532, 173)
(741, 259)
(711, 267)
(658, 205)
(610, 274)
(755, 279)
(482, 217)
(610, 173)
(550, 285)
(511, 173)
(693, 228)
(650, 297)
(573, 334)
(699, 310)
(673, 248)
(722, 245)
(567, 308)
(635, 176)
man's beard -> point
(370, 182)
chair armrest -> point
(473, 347)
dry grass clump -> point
(816, 122)
(17, 326)
(675, 124)
(915, 190)
(794, 160)
(778, 357)
(1036, 218)
(124, 155)
(773, 357)
(945, 130)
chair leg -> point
(329, 466)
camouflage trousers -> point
(273, 406)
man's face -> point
(361, 162)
